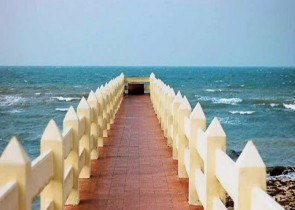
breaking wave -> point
(16, 111)
(290, 175)
(212, 90)
(60, 98)
(242, 112)
(274, 105)
(62, 109)
(232, 101)
(229, 121)
(11, 100)
(289, 106)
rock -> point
(280, 170)
(234, 154)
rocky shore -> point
(280, 185)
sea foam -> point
(10, 100)
(232, 101)
(60, 98)
(290, 175)
(242, 112)
(16, 111)
(62, 109)
(212, 90)
(274, 105)
(229, 121)
(289, 106)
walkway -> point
(135, 169)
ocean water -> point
(252, 103)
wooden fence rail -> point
(202, 158)
(64, 156)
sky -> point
(147, 32)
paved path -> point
(135, 169)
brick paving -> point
(135, 169)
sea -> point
(252, 103)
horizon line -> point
(146, 66)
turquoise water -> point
(252, 103)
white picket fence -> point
(64, 156)
(202, 158)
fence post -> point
(106, 96)
(92, 101)
(175, 106)
(171, 96)
(71, 121)
(159, 101)
(83, 110)
(162, 105)
(152, 77)
(183, 112)
(122, 87)
(115, 97)
(100, 116)
(15, 165)
(216, 139)
(52, 141)
(105, 113)
(156, 90)
(166, 93)
(112, 94)
(251, 173)
(197, 121)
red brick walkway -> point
(135, 169)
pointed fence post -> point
(122, 87)
(52, 141)
(216, 139)
(112, 94)
(162, 105)
(159, 100)
(197, 121)
(171, 96)
(109, 96)
(152, 77)
(15, 165)
(251, 173)
(166, 93)
(106, 95)
(183, 112)
(83, 110)
(100, 117)
(175, 107)
(104, 111)
(71, 121)
(156, 92)
(115, 84)
(93, 103)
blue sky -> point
(148, 32)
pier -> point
(134, 169)
(121, 151)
